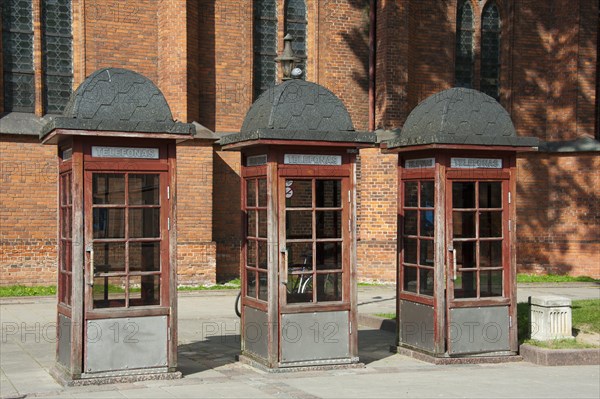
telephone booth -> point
(299, 293)
(117, 285)
(456, 207)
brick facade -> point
(200, 55)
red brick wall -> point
(28, 215)
(122, 34)
(377, 216)
(196, 252)
(558, 214)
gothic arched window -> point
(265, 45)
(295, 25)
(17, 50)
(490, 51)
(463, 65)
(58, 50)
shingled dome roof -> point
(116, 99)
(298, 110)
(459, 116)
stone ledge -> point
(510, 357)
(559, 357)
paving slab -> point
(209, 342)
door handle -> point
(284, 252)
(90, 250)
(454, 263)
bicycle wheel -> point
(238, 304)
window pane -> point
(410, 223)
(251, 253)
(329, 287)
(329, 224)
(299, 256)
(465, 254)
(299, 288)
(251, 283)
(427, 224)
(144, 222)
(329, 193)
(144, 256)
(250, 192)
(251, 223)
(426, 282)
(144, 290)
(262, 254)
(262, 286)
(463, 224)
(426, 253)
(109, 257)
(410, 279)
(66, 220)
(411, 194)
(463, 64)
(490, 283)
(298, 193)
(298, 225)
(463, 195)
(109, 222)
(262, 192)
(490, 195)
(465, 285)
(410, 250)
(108, 188)
(144, 190)
(262, 224)
(490, 224)
(490, 254)
(109, 292)
(329, 255)
(427, 194)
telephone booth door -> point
(314, 240)
(480, 304)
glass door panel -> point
(127, 239)
(477, 239)
(314, 215)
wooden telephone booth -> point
(299, 251)
(117, 275)
(456, 235)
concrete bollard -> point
(550, 317)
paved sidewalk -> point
(209, 342)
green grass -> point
(386, 315)
(229, 285)
(21, 290)
(553, 278)
(586, 315)
(373, 284)
(560, 344)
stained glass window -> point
(463, 67)
(265, 45)
(17, 45)
(490, 50)
(295, 25)
(58, 50)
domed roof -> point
(298, 105)
(459, 116)
(298, 110)
(118, 99)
